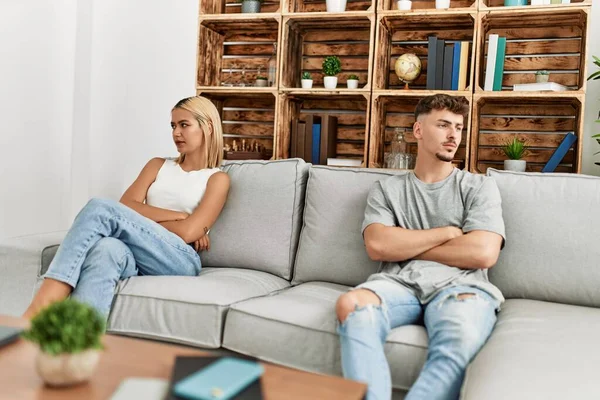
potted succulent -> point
(596, 76)
(68, 334)
(514, 149)
(251, 6)
(542, 76)
(307, 81)
(331, 67)
(352, 82)
(261, 81)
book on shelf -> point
(540, 86)
(456, 65)
(344, 162)
(490, 65)
(439, 64)
(499, 68)
(560, 152)
(448, 64)
(297, 141)
(328, 138)
(464, 65)
(431, 54)
(316, 141)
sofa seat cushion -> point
(538, 350)
(297, 327)
(184, 309)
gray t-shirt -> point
(465, 200)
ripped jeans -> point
(457, 327)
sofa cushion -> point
(297, 327)
(331, 247)
(260, 224)
(552, 229)
(183, 309)
(538, 350)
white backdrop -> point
(86, 87)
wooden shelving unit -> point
(368, 38)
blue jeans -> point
(109, 242)
(457, 329)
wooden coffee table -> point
(126, 357)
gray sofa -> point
(288, 244)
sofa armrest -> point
(23, 260)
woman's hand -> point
(202, 244)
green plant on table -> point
(332, 66)
(353, 76)
(67, 326)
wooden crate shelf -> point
(308, 39)
(352, 114)
(537, 39)
(233, 7)
(419, 5)
(408, 33)
(485, 5)
(542, 121)
(227, 44)
(390, 112)
(248, 117)
(319, 6)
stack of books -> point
(447, 64)
(494, 68)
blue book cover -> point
(316, 142)
(560, 152)
(455, 65)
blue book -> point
(560, 152)
(455, 65)
(316, 142)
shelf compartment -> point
(537, 40)
(307, 40)
(233, 7)
(390, 112)
(418, 5)
(313, 6)
(226, 45)
(499, 5)
(408, 33)
(248, 117)
(352, 112)
(541, 121)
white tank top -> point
(178, 190)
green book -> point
(499, 69)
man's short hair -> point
(455, 104)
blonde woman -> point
(159, 225)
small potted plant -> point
(514, 149)
(542, 76)
(352, 82)
(251, 6)
(261, 81)
(68, 334)
(335, 6)
(307, 81)
(331, 67)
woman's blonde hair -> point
(209, 121)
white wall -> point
(592, 99)
(86, 88)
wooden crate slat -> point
(333, 36)
(531, 109)
(249, 48)
(354, 64)
(531, 167)
(423, 34)
(568, 79)
(527, 124)
(324, 104)
(252, 36)
(532, 155)
(250, 129)
(248, 115)
(355, 149)
(339, 49)
(550, 46)
(532, 139)
(535, 63)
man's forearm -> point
(399, 244)
(466, 251)
(156, 214)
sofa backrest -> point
(260, 223)
(331, 247)
(552, 232)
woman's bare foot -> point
(50, 292)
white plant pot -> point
(404, 4)
(66, 369)
(515, 165)
(307, 83)
(336, 6)
(261, 83)
(352, 83)
(442, 4)
(330, 82)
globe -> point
(408, 68)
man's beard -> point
(444, 157)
